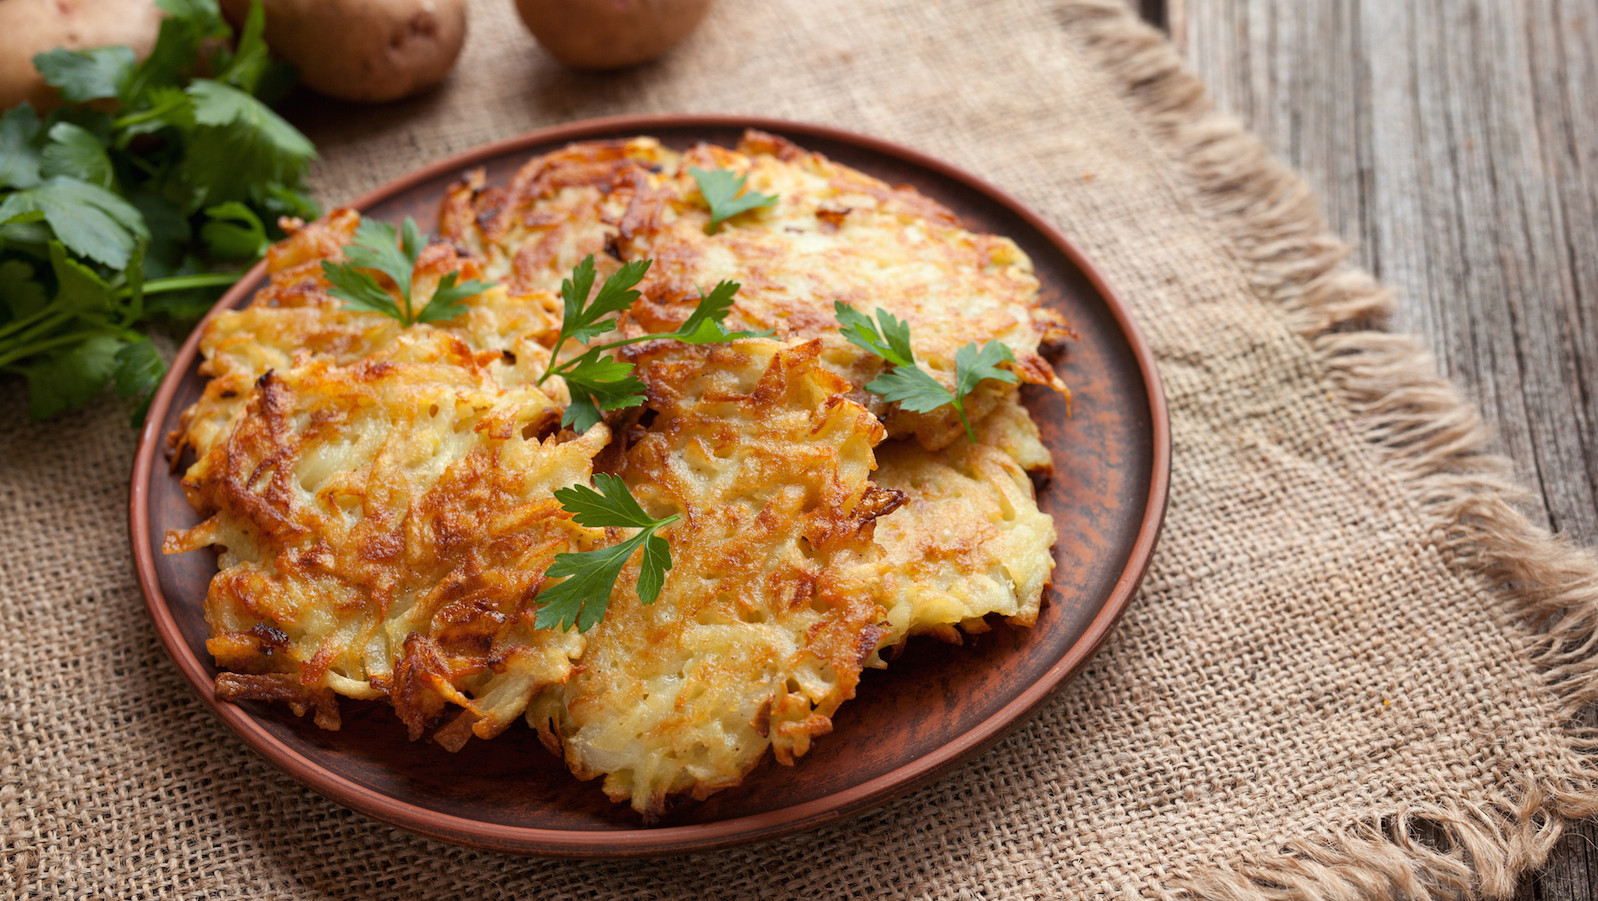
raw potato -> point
(35, 26)
(609, 34)
(366, 50)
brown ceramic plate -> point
(937, 705)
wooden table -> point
(1454, 144)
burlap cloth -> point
(1352, 670)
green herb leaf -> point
(720, 188)
(79, 289)
(378, 246)
(138, 374)
(359, 290)
(234, 232)
(907, 384)
(239, 144)
(612, 506)
(106, 208)
(91, 221)
(973, 364)
(584, 321)
(71, 377)
(892, 343)
(911, 388)
(139, 369)
(75, 152)
(84, 75)
(652, 568)
(704, 324)
(164, 107)
(590, 577)
(20, 294)
(446, 302)
(187, 25)
(19, 157)
(598, 383)
(250, 59)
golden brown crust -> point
(767, 616)
(386, 526)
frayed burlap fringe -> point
(1548, 589)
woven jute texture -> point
(1353, 670)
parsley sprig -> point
(720, 188)
(907, 384)
(378, 248)
(597, 381)
(112, 220)
(588, 578)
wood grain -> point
(1455, 145)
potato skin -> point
(364, 50)
(610, 34)
(35, 26)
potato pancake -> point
(386, 525)
(767, 616)
(970, 540)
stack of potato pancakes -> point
(384, 495)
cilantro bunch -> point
(115, 213)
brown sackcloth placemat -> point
(1352, 670)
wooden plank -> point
(1455, 145)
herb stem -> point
(182, 283)
(39, 329)
(12, 328)
(39, 347)
(549, 370)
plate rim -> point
(698, 837)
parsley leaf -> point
(19, 158)
(907, 384)
(74, 151)
(250, 59)
(720, 189)
(446, 302)
(583, 321)
(107, 209)
(590, 577)
(84, 75)
(72, 376)
(234, 232)
(20, 294)
(186, 27)
(138, 372)
(973, 364)
(911, 388)
(598, 382)
(238, 143)
(891, 344)
(91, 221)
(379, 247)
(704, 324)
